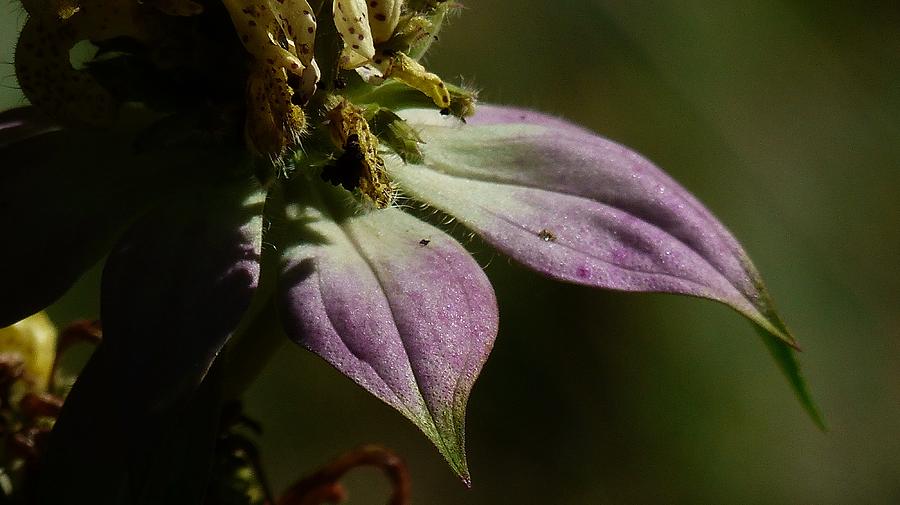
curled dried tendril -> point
(324, 486)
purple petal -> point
(174, 289)
(23, 123)
(178, 283)
(580, 208)
(66, 196)
(396, 305)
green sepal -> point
(396, 95)
(397, 134)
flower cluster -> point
(244, 161)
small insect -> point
(348, 168)
(424, 242)
(547, 235)
(360, 166)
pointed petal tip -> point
(460, 467)
(396, 305)
(777, 330)
(771, 323)
(452, 446)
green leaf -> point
(786, 359)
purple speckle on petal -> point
(583, 272)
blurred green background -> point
(784, 118)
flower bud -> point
(351, 17)
(280, 40)
(413, 74)
(383, 18)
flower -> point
(29, 346)
(208, 239)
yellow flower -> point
(31, 342)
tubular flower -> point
(250, 166)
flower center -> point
(270, 73)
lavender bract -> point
(309, 223)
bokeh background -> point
(784, 118)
